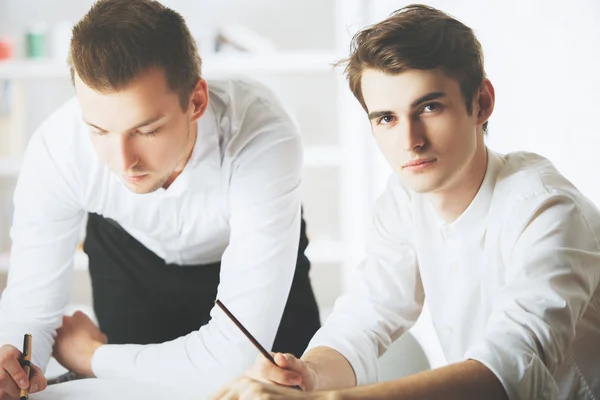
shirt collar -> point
(473, 220)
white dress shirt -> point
(237, 200)
(512, 283)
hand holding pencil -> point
(282, 369)
(287, 371)
(26, 364)
(270, 375)
(15, 381)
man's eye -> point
(431, 107)
(148, 134)
(385, 120)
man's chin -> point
(140, 188)
(421, 185)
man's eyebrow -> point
(149, 121)
(377, 114)
(426, 98)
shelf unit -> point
(225, 64)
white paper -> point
(113, 389)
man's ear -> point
(199, 99)
(486, 98)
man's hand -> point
(246, 388)
(13, 377)
(265, 380)
(290, 371)
(76, 342)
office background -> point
(542, 56)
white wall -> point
(292, 25)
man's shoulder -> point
(240, 94)
(248, 114)
(64, 124)
(525, 174)
(529, 187)
(528, 181)
(63, 137)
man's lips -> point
(418, 161)
(421, 163)
(135, 178)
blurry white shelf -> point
(18, 69)
(9, 166)
(81, 261)
(325, 252)
(314, 156)
(277, 62)
(323, 156)
(234, 63)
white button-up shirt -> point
(512, 283)
(237, 200)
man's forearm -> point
(465, 381)
(332, 370)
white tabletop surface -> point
(113, 389)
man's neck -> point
(188, 153)
(449, 203)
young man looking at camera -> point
(503, 247)
(190, 189)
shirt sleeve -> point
(44, 235)
(257, 269)
(385, 298)
(551, 274)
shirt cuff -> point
(522, 373)
(359, 352)
(114, 361)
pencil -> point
(26, 363)
(262, 350)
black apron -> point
(140, 299)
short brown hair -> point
(418, 37)
(119, 39)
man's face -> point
(140, 132)
(421, 125)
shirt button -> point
(445, 231)
(454, 268)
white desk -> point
(103, 389)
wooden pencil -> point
(249, 335)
